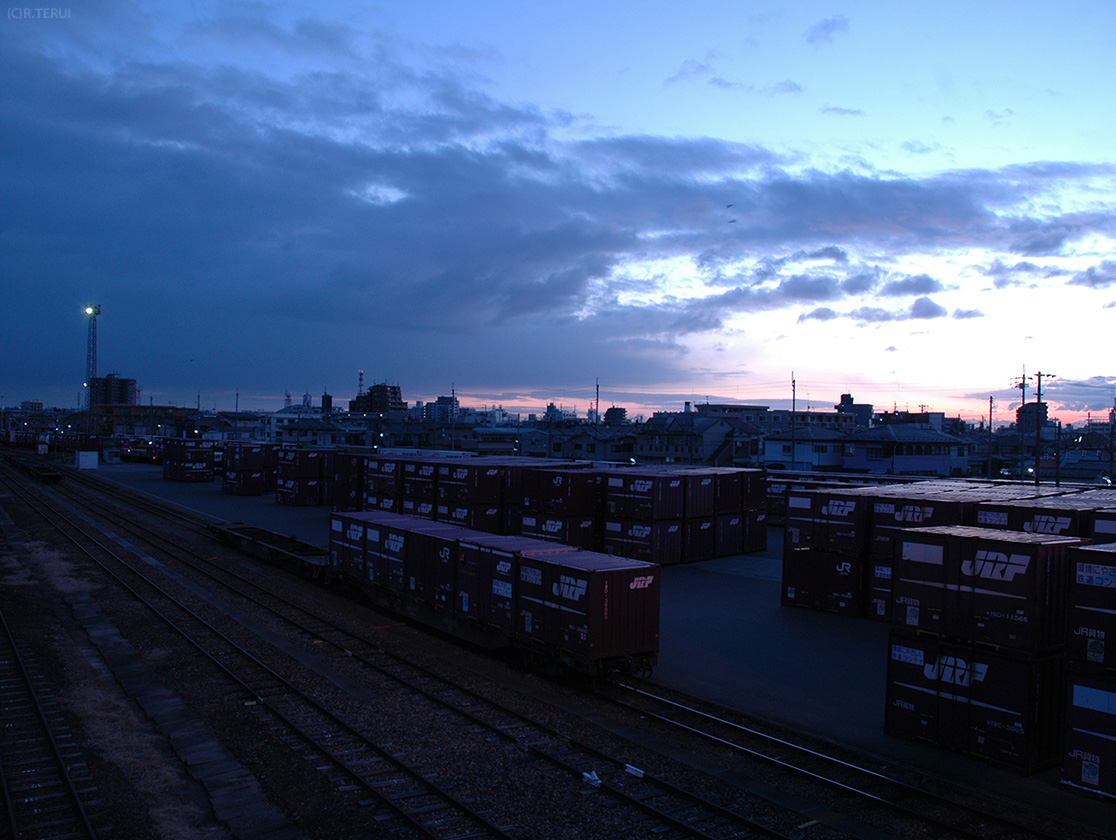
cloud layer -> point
(325, 203)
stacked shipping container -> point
(656, 515)
(1089, 734)
(976, 644)
(582, 608)
(303, 476)
(249, 468)
(188, 459)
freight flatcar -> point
(287, 552)
(559, 608)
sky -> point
(520, 202)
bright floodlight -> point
(89, 310)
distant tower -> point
(91, 354)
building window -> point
(820, 448)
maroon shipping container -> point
(1089, 737)
(430, 563)
(699, 539)
(313, 464)
(486, 575)
(239, 482)
(423, 509)
(1066, 516)
(980, 585)
(583, 532)
(823, 580)
(1006, 709)
(385, 549)
(479, 517)
(347, 546)
(591, 606)
(473, 482)
(699, 493)
(753, 489)
(1104, 525)
(1091, 606)
(728, 534)
(386, 504)
(300, 492)
(561, 492)
(192, 471)
(652, 542)
(643, 495)
(347, 481)
(828, 520)
(755, 530)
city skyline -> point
(682, 204)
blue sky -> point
(909, 203)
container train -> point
(559, 608)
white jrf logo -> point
(955, 670)
(838, 508)
(570, 588)
(394, 543)
(913, 513)
(1044, 523)
(994, 565)
(641, 582)
(641, 485)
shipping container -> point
(728, 534)
(582, 532)
(563, 492)
(1089, 737)
(1000, 588)
(651, 542)
(1091, 607)
(823, 580)
(590, 606)
(828, 520)
(643, 495)
(699, 539)
(989, 704)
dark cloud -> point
(926, 308)
(823, 313)
(824, 31)
(919, 284)
(355, 208)
(872, 315)
(1096, 276)
(842, 112)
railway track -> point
(46, 791)
(669, 809)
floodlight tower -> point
(91, 354)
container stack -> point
(472, 493)
(825, 545)
(188, 459)
(585, 607)
(347, 481)
(562, 505)
(249, 468)
(1089, 734)
(977, 642)
(643, 512)
(302, 476)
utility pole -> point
(990, 438)
(794, 442)
(1022, 386)
(1038, 425)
